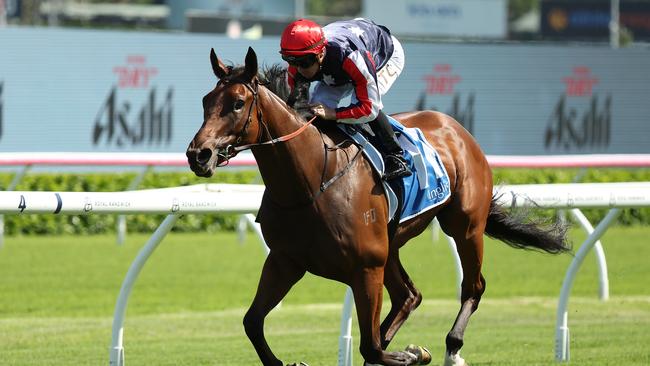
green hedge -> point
(94, 224)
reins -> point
(284, 138)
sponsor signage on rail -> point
(107, 91)
(569, 19)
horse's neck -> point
(291, 170)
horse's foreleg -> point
(278, 276)
(367, 288)
(470, 251)
(404, 298)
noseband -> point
(230, 151)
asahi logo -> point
(1, 108)
(580, 120)
(136, 73)
(133, 113)
(442, 82)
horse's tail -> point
(521, 231)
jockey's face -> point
(310, 71)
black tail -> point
(521, 231)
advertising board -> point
(100, 91)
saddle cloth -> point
(423, 190)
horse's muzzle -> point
(201, 161)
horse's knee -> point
(413, 300)
(407, 298)
(253, 323)
(409, 295)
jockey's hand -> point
(323, 111)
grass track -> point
(57, 296)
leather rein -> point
(231, 150)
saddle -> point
(427, 188)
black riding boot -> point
(395, 164)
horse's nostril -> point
(204, 156)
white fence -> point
(210, 198)
(25, 161)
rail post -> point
(117, 350)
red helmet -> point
(302, 37)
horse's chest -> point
(305, 236)
(312, 243)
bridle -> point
(230, 151)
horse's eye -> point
(239, 104)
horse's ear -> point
(251, 64)
(218, 67)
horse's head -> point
(230, 115)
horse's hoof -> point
(298, 364)
(396, 358)
(454, 360)
(422, 354)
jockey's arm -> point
(361, 68)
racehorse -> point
(324, 211)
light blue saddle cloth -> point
(423, 190)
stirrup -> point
(395, 167)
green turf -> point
(57, 296)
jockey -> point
(348, 57)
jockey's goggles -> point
(302, 62)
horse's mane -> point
(274, 77)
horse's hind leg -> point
(278, 276)
(404, 298)
(468, 234)
(367, 287)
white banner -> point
(456, 18)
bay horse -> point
(315, 209)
